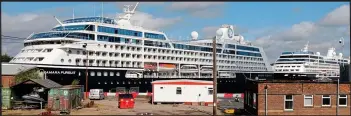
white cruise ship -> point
(120, 54)
(307, 62)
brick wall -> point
(7, 81)
(276, 92)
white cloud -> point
(121, 4)
(338, 17)
(150, 22)
(209, 31)
(199, 9)
(321, 35)
(24, 24)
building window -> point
(179, 91)
(254, 100)
(288, 101)
(210, 91)
(326, 100)
(342, 100)
(308, 100)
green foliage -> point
(25, 75)
(75, 82)
(5, 58)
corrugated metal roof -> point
(47, 83)
(14, 69)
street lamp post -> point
(342, 42)
(86, 71)
(214, 54)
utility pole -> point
(214, 55)
(86, 71)
(341, 41)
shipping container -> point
(6, 98)
(65, 98)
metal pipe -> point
(265, 97)
(86, 71)
(214, 55)
(337, 99)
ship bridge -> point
(91, 19)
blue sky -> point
(253, 19)
(250, 15)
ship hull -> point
(109, 80)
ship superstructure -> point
(118, 54)
(305, 61)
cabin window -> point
(161, 87)
(210, 91)
(179, 90)
(92, 73)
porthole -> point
(62, 60)
(69, 60)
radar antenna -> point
(305, 49)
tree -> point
(75, 82)
(6, 58)
(25, 75)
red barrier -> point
(149, 94)
(228, 95)
(105, 94)
(135, 94)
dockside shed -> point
(182, 91)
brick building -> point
(9, 71)
(296, 98)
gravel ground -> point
(110, 107)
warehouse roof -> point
(14, 69)
(47, 83)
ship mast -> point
(125, 19)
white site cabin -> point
(180, 91)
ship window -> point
(117, 74)
(210, 91)
(98, 73)
(78, 52)
(62, 60)
(41, 58)
(105, 74)
(48, 50)
(69, 60)
(92, 73)
(111, 73)
(179, 90)
(69, 51)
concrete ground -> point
(110, 107)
